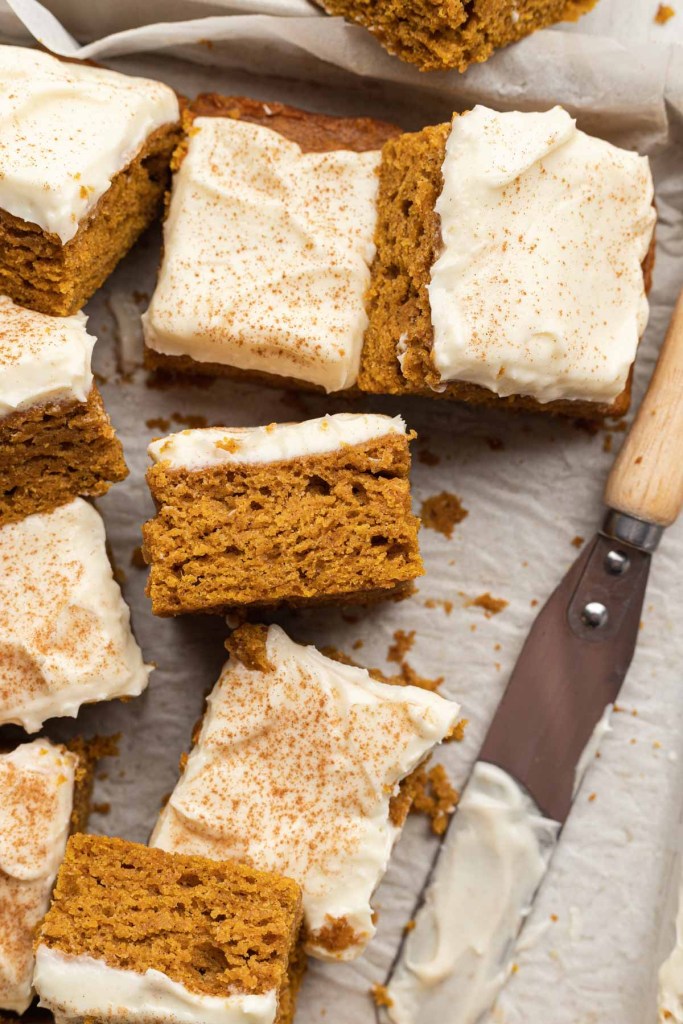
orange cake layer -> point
(51, 453)
(408, 240)
(217, 928)
(41, 273)
(314, 133)
(455, 33)
(329, 527)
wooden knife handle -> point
(646, 479)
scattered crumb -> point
(356, 645)
(473, 628)
(409, 925)
(554, 918)
(158, 423)
(442, 512)
(592, 797)
(189, 420)
(103, 808)
(577, 541)
(137, 560)
(408, 677)
(497, 647)
(457, 733)
(664, 13)
(381, 996)
(533, 602)
(495, 443)
(403, 642)
(587, 426)
(491, 605)
(607, 442)
(428, 458)
(435, 797)
(434, 602)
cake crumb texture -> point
(442, 512)
(454, 33)
(39, 272)
(215, 927)
(336, 526)
(52, 453)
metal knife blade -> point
(571, 667)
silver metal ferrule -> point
(630, 530)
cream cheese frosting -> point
(65, 131)
(65, 636)
(215, 446)
(42, 358)
(294, 770)
(538, 289)
(36, 800)
(76, 988)
(460, 951)
(267, 253)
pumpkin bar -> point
(453, 33)
(297, 768)
(139, 934)
(44, 795)
(65, 636)
(298, 512)
(514, 254)
(84, 163)
(268, 242)
(56, 440)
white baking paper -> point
(532, 486)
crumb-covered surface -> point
(548, 472)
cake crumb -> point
(403, 642)
(248, 645)
(442, 512)
(381, 996)
(457, 733)
(228, 444)
(435, 796)
(158, 423)
(496, 444)
(491, 605)
(434, 602)
(577, 541)
(137, 559)
(607, 442)
(664, 13)
(189, 420)
(356, 645)
(103, 808)
(428, 458)
(409, 925)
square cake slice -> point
(514, 255)
(56, 440)
(65, 636)
(136, 934)
(84, 163)
(297, 768)
(268, 243)
(453, 33)
(297, 512)
(44, 795)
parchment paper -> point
(532, 486)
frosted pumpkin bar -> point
(56, 439)
(297, 768)
(140, 935)
(453, 33)
(268, 243)
(301, 513)
(65, 636)
(514, 254)
(84, 162)
(44, 796)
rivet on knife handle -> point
(646, 481)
